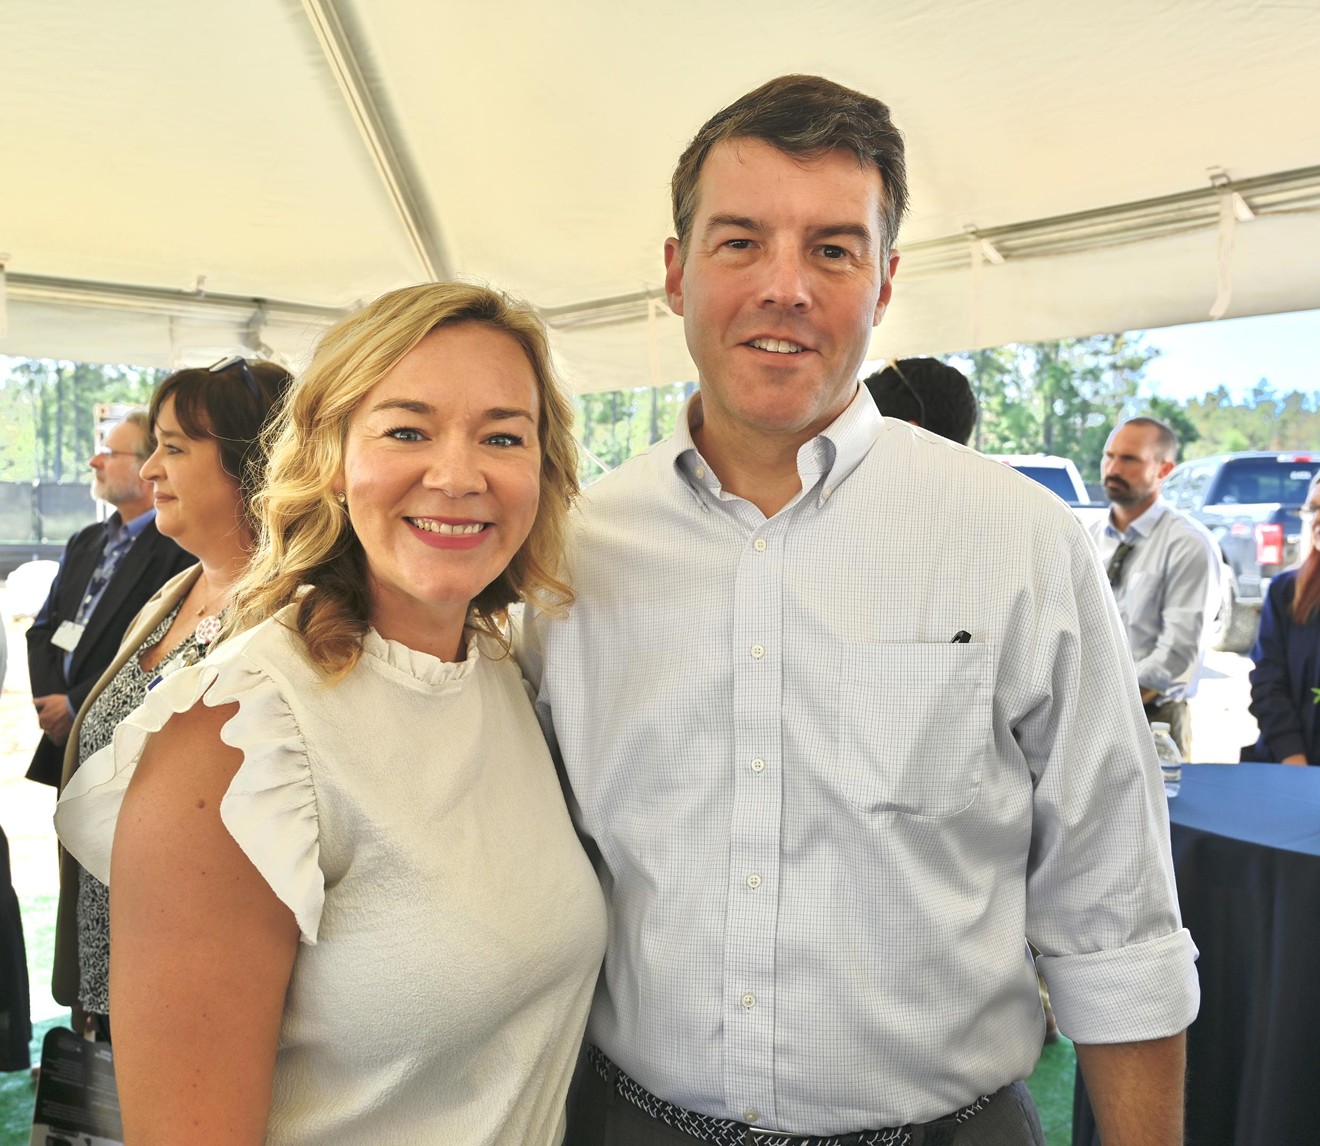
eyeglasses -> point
(921, 406)
(107, 452)
(249, 379)
(1114, 570)
(1308, 511)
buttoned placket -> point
(755, 828)
(751, 918)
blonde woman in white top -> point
(347, 901)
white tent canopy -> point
(183, 180)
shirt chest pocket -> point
(916, 727)
(1141, 591)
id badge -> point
(67, 636)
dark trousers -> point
(1178, 716)
(597, 1116)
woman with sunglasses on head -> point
(1284, 699)
(367, 856)
(207, 464)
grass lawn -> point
(1052, 1088)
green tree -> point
(1061, 397)
(1264, 420)
(48, 412)
(614, 425)
(1177, 419)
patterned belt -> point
(726, 1132)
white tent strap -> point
(976, 307)
(1281, 193)
(1227, 233)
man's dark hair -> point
(1166, 441)
(807, 116)
(929, 392)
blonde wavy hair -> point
(307, 550)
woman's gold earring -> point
(342, 498)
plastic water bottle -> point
(1170, 760)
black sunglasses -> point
(249, 379)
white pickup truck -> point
(1061, 478)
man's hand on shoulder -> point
(54, 716)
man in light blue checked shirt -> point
(847, 718)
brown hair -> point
(1166, 441)
(307, 539)
(221, 403)
(806, 116)
(1306, 589)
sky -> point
(1238, 352)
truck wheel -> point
(1235, 627)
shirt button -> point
(826, 492)
(750, 1116)
(701, 471)
(758, 765)
(759, 545)
(758, 651)
(749, 1000)
(753, 880)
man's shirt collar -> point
(1142, 526)
(138, 524)
(823, 462)
(121, 532)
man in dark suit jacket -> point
(108, 572)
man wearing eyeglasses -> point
(1164, 570)
(107, 573)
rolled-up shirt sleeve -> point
(1102, 904)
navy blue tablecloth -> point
(1246, 853)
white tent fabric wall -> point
(313, 154)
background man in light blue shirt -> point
(1164, 570)
(847, 718)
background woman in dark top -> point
(1287, 655)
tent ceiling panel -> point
(149, 143)
(150, 338)
(1168, 282)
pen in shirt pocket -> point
(961, 637)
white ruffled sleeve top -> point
(410, 817)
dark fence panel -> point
(37, 512)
